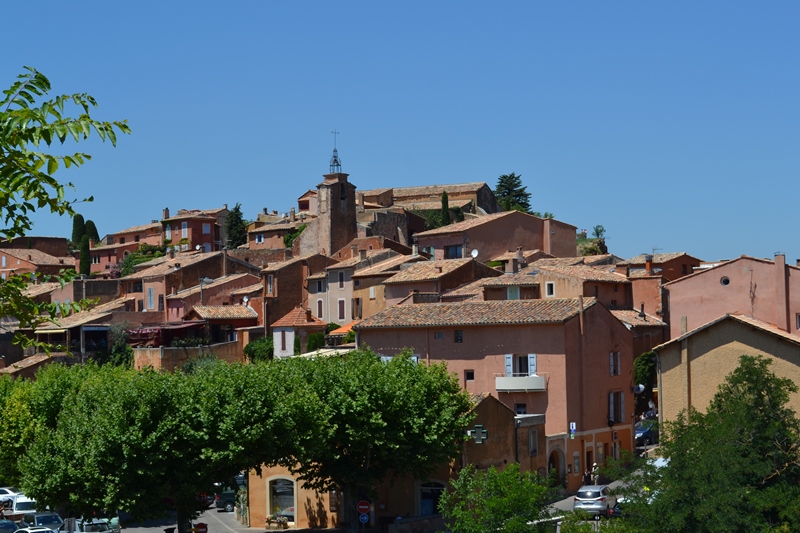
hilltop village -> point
(544, 338)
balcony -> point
(520, 383)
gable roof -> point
(467, 291)
(428, 190)
(525, 277)
(635, 318)
(167, 266)
(414, 205)
(586, 273)
(38, 257)
(38, 289)
(749, 321)
(274, 267)
(373, 256)
(84, 317)
(215, 283)
(137, 229)
(427, 271)
(477, 313)
(385, 267)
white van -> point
(21, 505)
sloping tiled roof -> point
(167, 266)
(299, 318)
(596, 260)
(84, 317)
(427, 271)
(344, 330)
(557, 261)
(477, 313)
(429, 206)
(587, 273)
(750, 321)
(634, 318)
(378, 256)
(384, 267)
(24, 363)
(657, 258)
(139, 228)
(471, 289)
(526, 254)
(227, 312)
(215, 283)
(256, 287)
(429, 190)
(285, 225)
(274, 267)
(524, 277)
(465, 224)
(38, 289)
(38, 257)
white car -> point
(8, 495)
(35, 529)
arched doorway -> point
(556, 461)
(281, 498)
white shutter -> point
(611, 363)
(531, 364)
(509, 365)
(622, 406)
(611, 406)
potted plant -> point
(269, 520)
(282, 521)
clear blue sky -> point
(675, 125)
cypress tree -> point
(445, 209)
(91, 231)
(78, 228)
(86, 258)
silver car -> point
(594, 500)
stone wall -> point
(170, 359)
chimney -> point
(520, 256)
(648, 264)
(30, 257)
(274, 211)
(308, 315)
(415, 250)
(782, 293)
(361, 199)
(166, 213)
(291, 214)
(362, 254)
(512, 267)
(353, 250)
(641, 313)
(171, 253)
(224, 206)
(266, 211)
(438, 269)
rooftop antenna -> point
(656, 248)
(336, 164)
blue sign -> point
(364, 518)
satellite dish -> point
(474, 253)
(197, 247)
(638, 389)
(246, 299)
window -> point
(356, 283)
(533, 442)
(341, 309)
(453, 252)
(160, 302)
(459, 335)
(356, 308)
(521, 408)
(797, 318)
(576, 463)
(320, 285)
(616, 406)
(150, 298)
(684, 269)
(440, 334)
(372, 293)
(550, 288)
(4, 261)
(614, 364)
(168, 230)
(319, 308)
(283, 340)
(429, 495)
(95, 259)
(206, 229)
(616, 288)
(136, 286)
(136, 238)
(513, 293)
(122, 240)
(469, 375)
(613, 303)
(259, 238)
(520, 365)
(184, 230)
(341, 279)
(207, 247)
(270, 283)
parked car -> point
(646, 432)
(21, 506)
(617, 511)
(47, 519)
(36, 529)
(204, 500)
(225, 499)
(8, 526)
(88, 525)
(8, 496)
(595, 500)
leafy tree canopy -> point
(511, 194)
(91, 231)
(236, 227)
(29, 123)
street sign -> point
(364, 518)
(572, 426)
(363, 506)
(201, 528)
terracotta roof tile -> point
(250, 289)
(215, 283)
(526, 254)
(524, 277)
(38, 289)
(39, 258)
(586, 273)
(476, 313)
(657, 258)
(472, 289)
(299, 318)
(165, 266)
(557, 261)
(427, 271)
(274, 267)
(429, 190)
(429, 206)
(228, 312)
(633, 317)
(373, 258)
(282, 225)
(465, 224)
(139, 228)
(385, 267)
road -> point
(218, 521)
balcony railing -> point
(520, 382)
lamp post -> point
(204, 281)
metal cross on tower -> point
(336, 164)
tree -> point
(26, 174)
(743, 454)
(86, 258)
(496, 500)
(644, 373)
(378, 420)
(235, 228)
(511, 195)
(599, 232)
(445, 209)
(261, 349)
(78, 228)
(91, 231)
(546, 214)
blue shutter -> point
(611, 406)
(531, 364)
(611, 363)
(509, 365)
